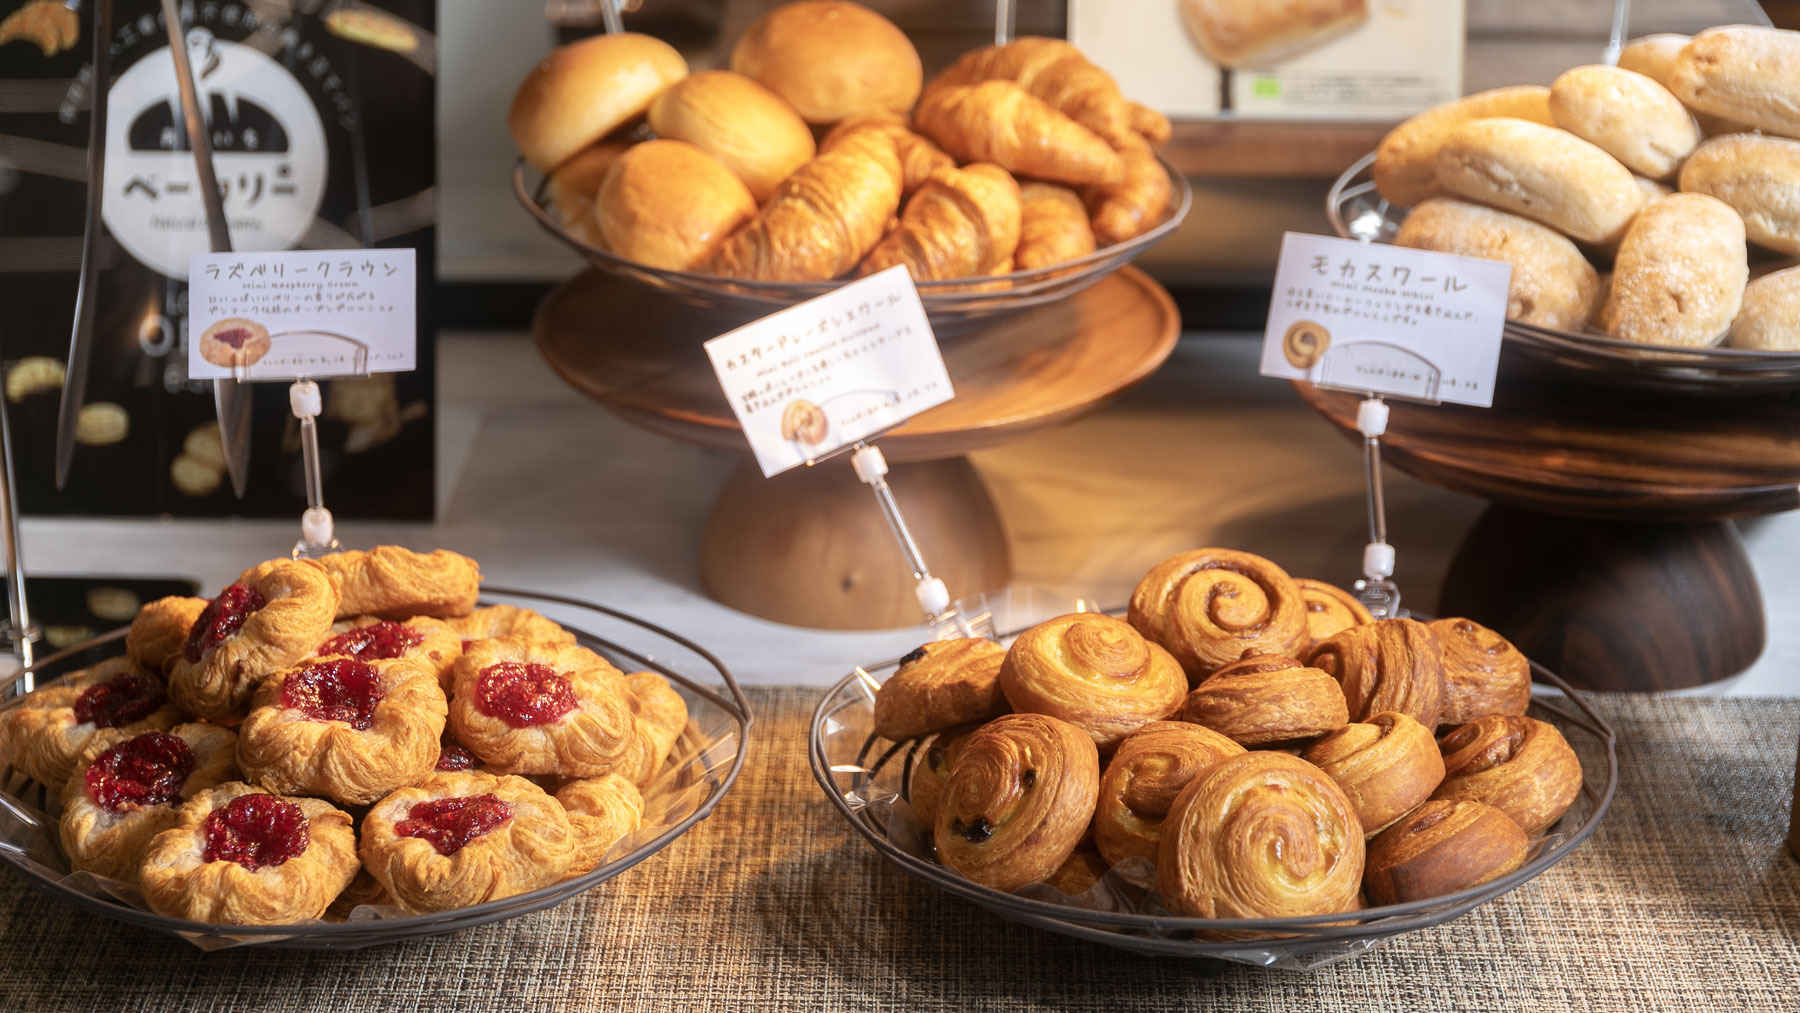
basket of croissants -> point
(352, 750)
(1016, 176)
(1247, 765)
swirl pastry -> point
(462, 839)
(1266, 699)
(1261, 835)
(601, 810)
(1442, 847)
(1209, 606)
(347, 729)
(1388, 665)
(1142, 780)
(127, 794)
(241, 856)
(1330, 610)
(272, 616)
(1519, 765)
(1080, 871)
(159, 631)
(1483, 673)
(94, 708)
(1304, 344)
(659, 716)
(535, 708)
(429, 642)
(1093, 671)
(1018, 800)
(1386, 766)
(508, 621)
(939, 685)
(390, 582)
(931, 771)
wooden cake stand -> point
(1608, 555)
(809, 547)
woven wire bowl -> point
(705, 763)
(1358, 212)
(864, 774)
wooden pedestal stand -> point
(809, 547)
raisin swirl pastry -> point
(273, 615)
(1388, 665)
(125, 795)
(1018, 801)
(1483, 673)
(1260, 835)
(532, 708)
(466, 838)
(430, 642)
(931, 771)
(347, 729)
(1209, 606)
(241, 856)
(601, 810)
(1330, 610)
(1093, 671)
(940, 685)
(159, 630)
(1142, 780)
(1519, 765)
(1267, 699)
(659, 716)
(390, 582)
(1386, 766)
(49, 731)
(509, 621)
(1080, 871)
(1442, 847)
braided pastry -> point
(1267, 699)
(1209, 606)
(1141, 781)
(943, 683)
(1442, 847)
(1388, 665)
(122, 797)
(1483, 673)
(1094, 672)
(390, 582)
(1386, 766)
(601, 810)
(532, 708)
(47, 734)
(931, 771)
(1330, 610)
(1018, 800)
(273, 615)
(1519, 765)
(159, 630)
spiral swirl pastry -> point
(1209, 606)
(1388, 665)
(1093, 671)
(1265, 699)
(1142, 780)
(931, 771)
(1330, 610)
(1442, 847)
(1080, 871)
(1519, 765)
(1386, 766)
(1018, 801)
(941, 685)
(1483, 673)
(1305, 343)
(1261, 835)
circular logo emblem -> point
(1305, 343)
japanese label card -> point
(1386, 319)
(833, 370)
(301, 313)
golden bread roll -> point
(1483, 673)
(1440, 848)
(1652, 191)
(1388, 665)
(1630, 116)
(1386, 765)
(931, 771)
(961, 222)
(1519, 765)
(1236, 34)
(1553, 285)
(1053, 227)
(1679, 276)
(1265, 700)
(1000, 122)
(1018, 801)
(1654, 57)
(1745, 73)
(1770, 316)
(823, 219)
(1330, 610)
(585, 90)
(919, 158)
(575, 183)
(1094, 672)
(1543, 173)
(831, 60)
(668, 204)
(1760, 178)
(1405, 168)
(1209, 606)
(1141, 781)
(943, 683)
(737, 121)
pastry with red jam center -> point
(234, 342)
(273, 615)
(525, 707)
(47, 734)
(423, 639)
(126, 794)
(508, 621)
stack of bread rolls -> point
(1630, 199)
(824, 153)
(1244, 743)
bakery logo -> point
(1305, 343)
(268, 152)
(234, 343)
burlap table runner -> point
(1685, 899)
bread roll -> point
(1630, 117)
(583, 91)
(1770, 316)
(1553, 285)
(1654, 57)
(1760, 178)
(831, 60)
(739, 122)
(1406, 162)
(1543, 173)
(668, 204)
(1745, 73)
(1236, 33)
(576, 182)
(1679, 277)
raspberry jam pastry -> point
(428, 641)
(234, 342)
(159, 631)
(273, 615)
(390, 582)
(241, 856)
(601, 810)
(533, 708)
(466, 838)
(509, 621)
(48, 733)
(125, 795)
(659, 716)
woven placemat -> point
(1685, 899)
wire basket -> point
(865, 776)
(1357, 211)
(702, 767)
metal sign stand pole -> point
(934, 597)
(316, 529)
(19, 630)
(1377, 589)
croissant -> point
(1386, 766)
(1093, 671)
(1483, 673)
(918, 156)
(1056, 72)
(1018, 800)
(1000, 122)
(822, 219)
(1142, 780)
(1266, 699)
(1388, 665)
(1053, 226)
(1127, 208)
(1151, 125)
(1442, 847)
(1209, 606)
(1519, 765)
(1330, 610)
(962, 222)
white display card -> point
(815, 377)
(301, 314)
(1386, 319)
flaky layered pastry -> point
(532, 708)
(422, 639)
(1519, 765)
(1330, 610)
(390, 582)
(601, 810)
(95, 708)
(123, 796)
(1019, 799)
(160, 629)
(1386, 766)
(509, 621)
(1388, 665)
(1209, 606)
(1483, 673)
(931, 771)
(659, 716)
(939, 685)
(273, 615)
(1441, 847)
(1093, 671)
(1142, 779)
(1265, 699)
